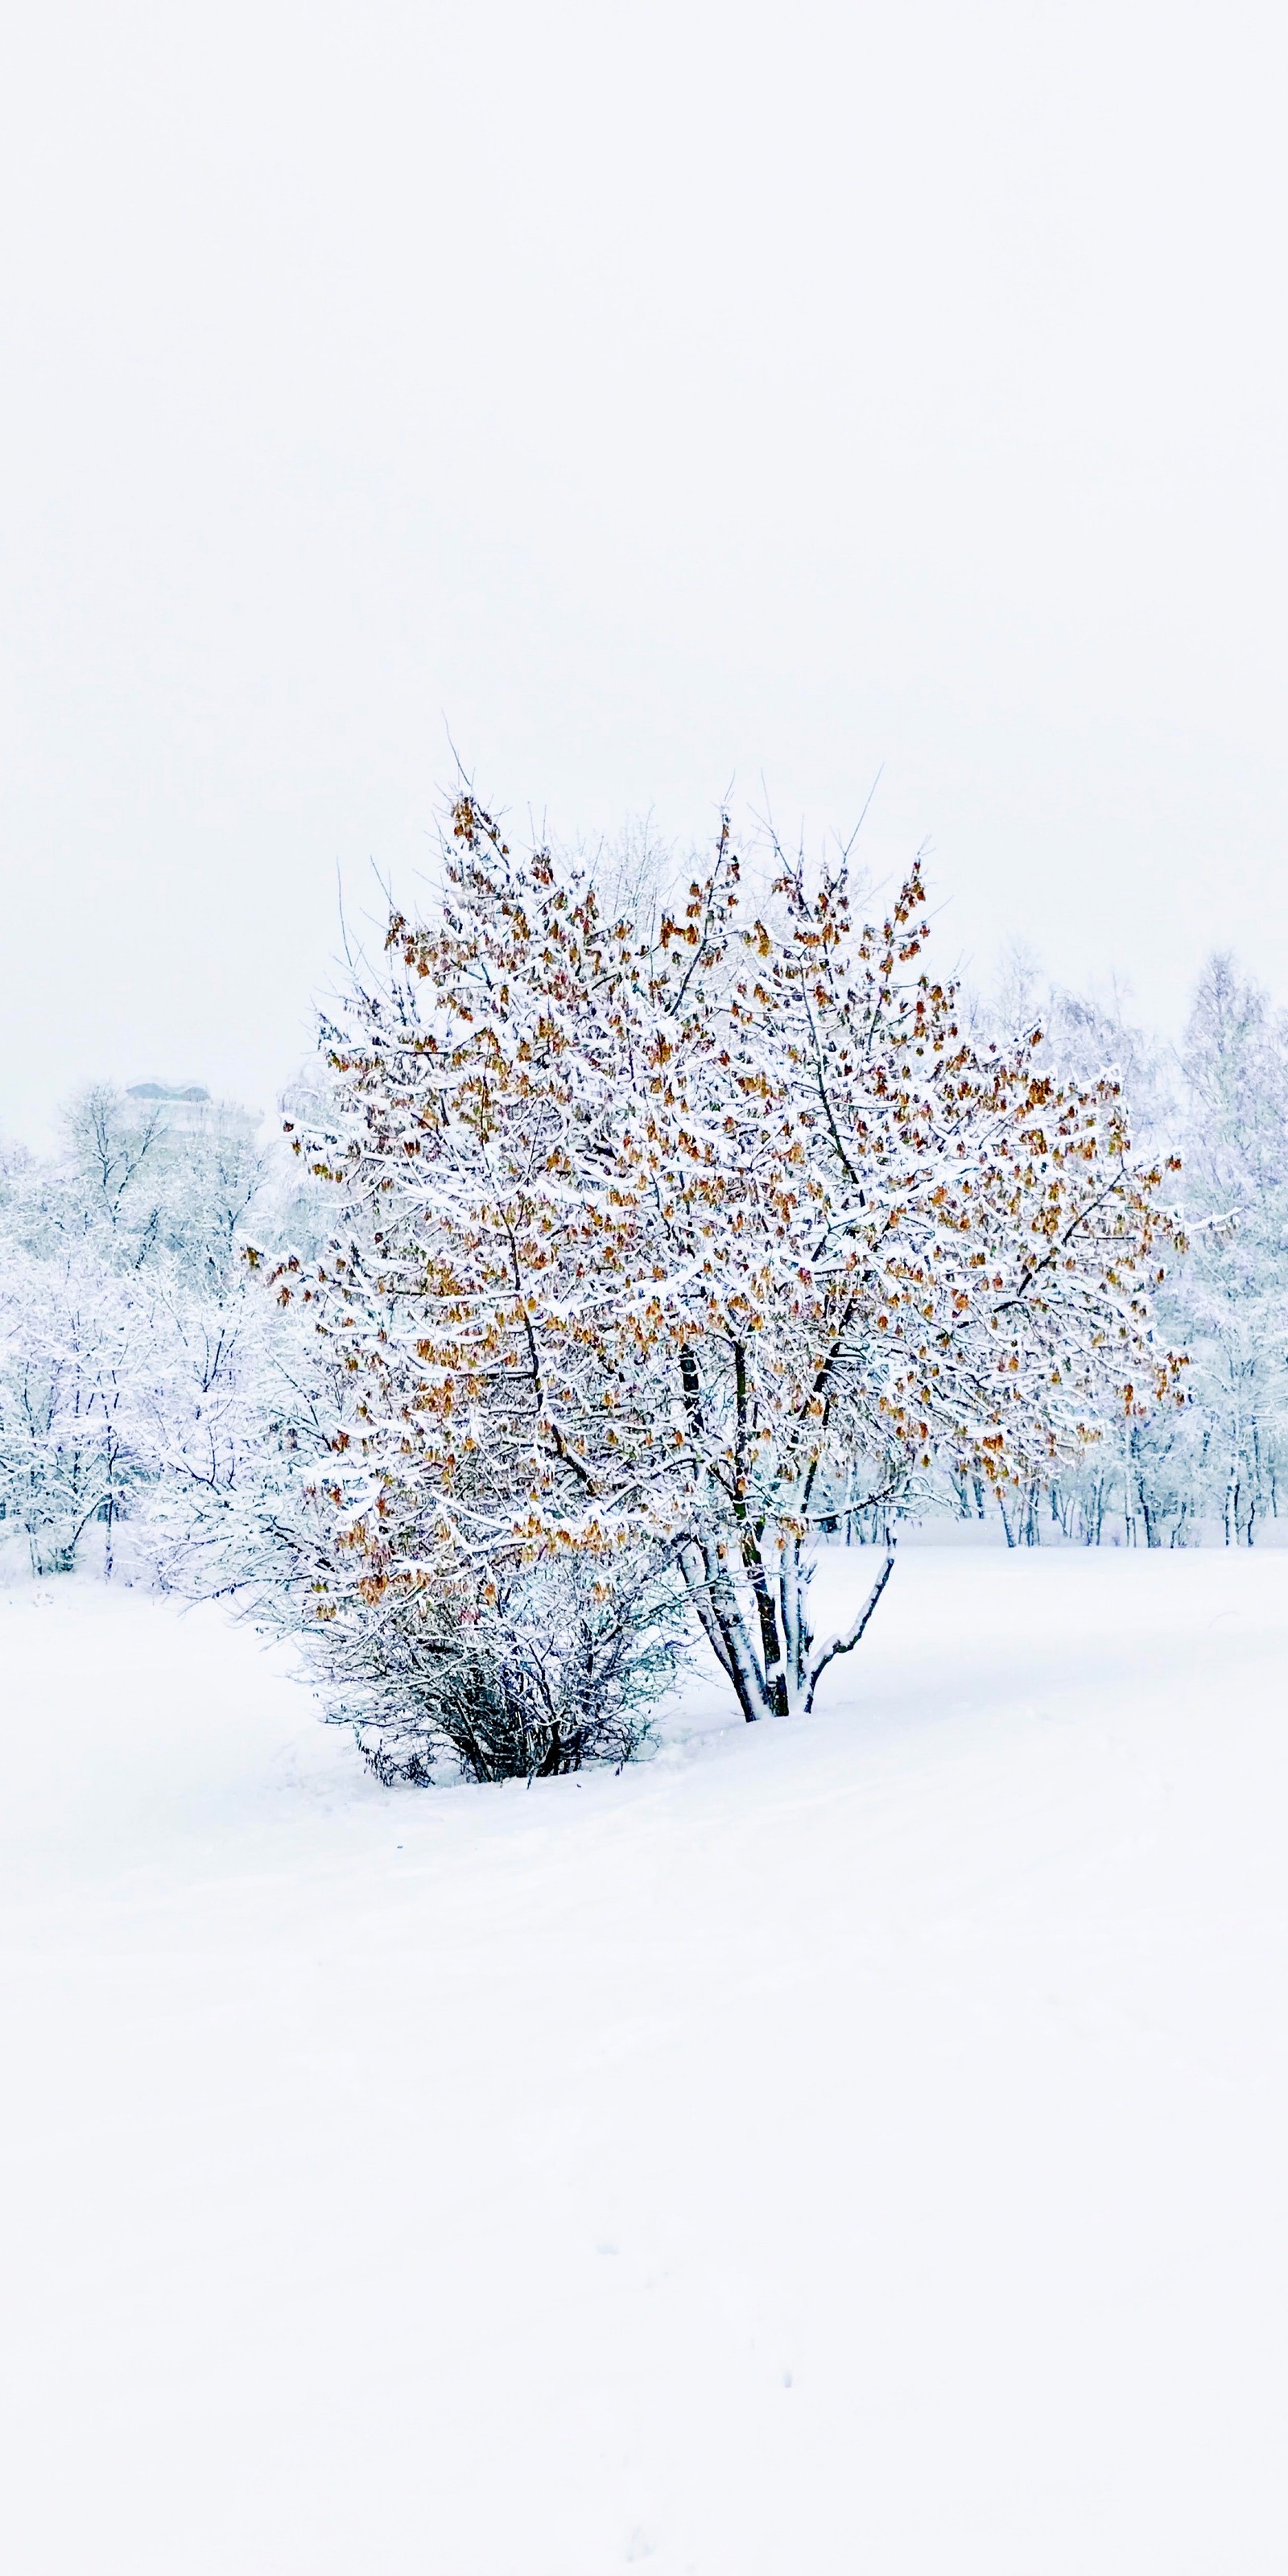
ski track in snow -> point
(850, 2145)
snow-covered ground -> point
(852, 2146)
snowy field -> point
(855, 2146)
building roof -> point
(165, 1091)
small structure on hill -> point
(187, 1109)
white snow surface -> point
(858, 2144)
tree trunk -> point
(780, 1680)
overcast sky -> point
(657, 398)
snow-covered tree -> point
(650, 1247)
(1232, 1301)
(77, 1356)
(122, 1307)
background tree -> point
(122, 1298)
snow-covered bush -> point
(500, 1669)
(560, 1666)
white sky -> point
(658, 397)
